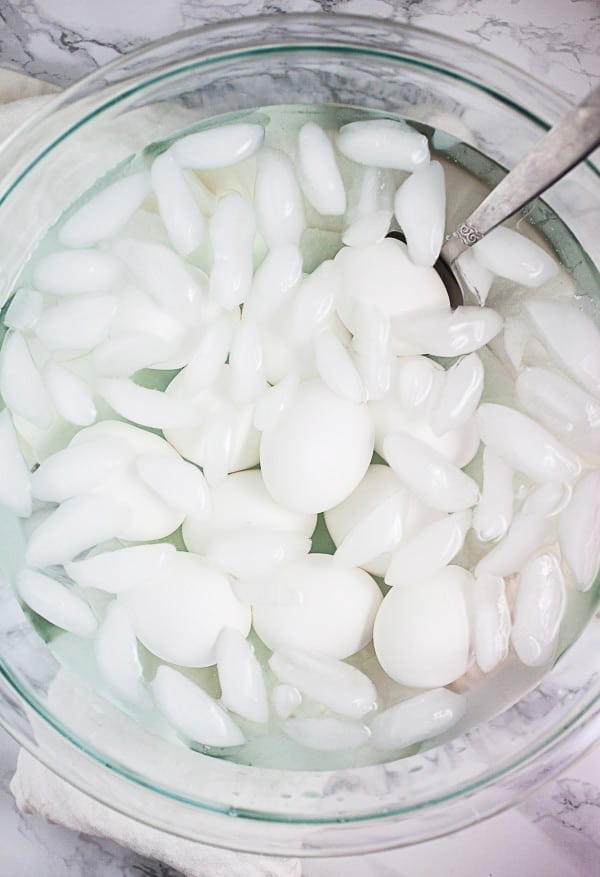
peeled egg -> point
(383, 275)
(179, 615)
(331, 609)
(318, 451)
(421, 633)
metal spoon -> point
(564, 146)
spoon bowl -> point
(564, 146)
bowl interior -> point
(105, 123)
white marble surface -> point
(556, 833)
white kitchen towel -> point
(35, 788)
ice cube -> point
(579, 530)
(334, 684)
(21, 384)
(24, 309)
(241, 678)
(572, 338)
(417, 381)
(69, 272)
(55, 602)
(378, 532)
(429, 550)
(512, 255)
(123, 355)
(117, 656)
(232, 230)
(477, 278)
(368, 229)
(147, 407)
(177, 287)
(562, 406)
(372, 189)
(248, 380)
(327, 734)
(218, 147)
(278, 199)
(459, 394)
(210, 354)
(79, 324)
(492, 623)
(526, 535)
(78, 468)
(318, 171)
(15, 479)
(314, 301)
(180, 484)
(275, 281)
(122, 569)
(416, 719)
(525, 445)
(337, 368)
(105, 213)
(420, 208)
(493, 515)
(444, 332)
(428, 475)
(71, 395)
(539, 608)
(193, 712)
(285, 699)
(383, 143)
(77, 524)
(273, 402)
(177, 207)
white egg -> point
(318, 451)
(421, 633)
(379, 484)
(333, 612)
(179, 615)
(242, 500)
(383, 275)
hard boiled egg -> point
(326, 608)
(318, 451)
(421, 633)
(179, 615)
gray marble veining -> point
(61, 41)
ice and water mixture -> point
(288, 499)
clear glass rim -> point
(289, 21)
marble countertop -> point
(556, 833)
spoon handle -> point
(564, 146)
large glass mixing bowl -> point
(82, 134)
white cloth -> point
(35, 788)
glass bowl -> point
(83, 133)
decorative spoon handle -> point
(564, 146)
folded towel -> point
(37, 790)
